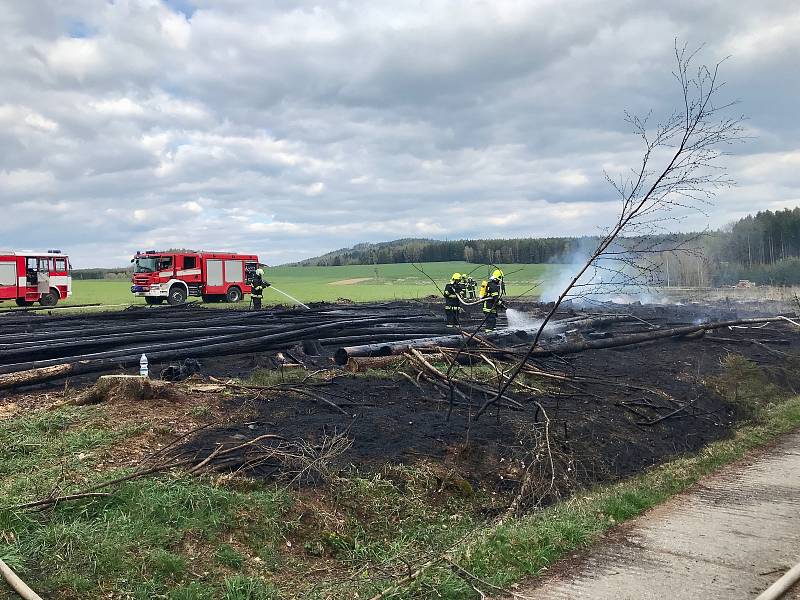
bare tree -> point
(679, 170)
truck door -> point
(189, 269)
(31, 269)
(234, 271)
(214, 277)
(43, 276)
(59, 277)
(250, 272)
(166, 267)
(8, 279)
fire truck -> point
(174, 276)
(28, 277)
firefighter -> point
(257, 288)
(452, 299)
(493, 299)
(472, 289)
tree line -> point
(762, 239)
(500, 250)
(763, 248)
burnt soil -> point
(602, 423)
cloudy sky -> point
(290, 128)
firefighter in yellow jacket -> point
(472, 289)
(493, 299)
(452, 299)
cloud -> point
(289, 129)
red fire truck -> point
(173, 276)
(28, 277)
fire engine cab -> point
(174, 276)
(28, 277)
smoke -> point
(560, 275)
(619, 280)
(519, 320)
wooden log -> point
(506, 336)
(32, 376)
(344, 354)
(36, 372)
(206, 346)
(359, 365)
(641, 338)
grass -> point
(360, 283)
(176, 537)
(748, 387)
(182, 537)
(144, 541)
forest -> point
(519, 250)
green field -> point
(359, 283)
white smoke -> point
(519, 320)
(605, 281)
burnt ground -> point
(613, 418)
(618, 412)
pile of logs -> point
(35, 349)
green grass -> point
(94, 291)
(143, 540)
(387, 282)
(315, 284)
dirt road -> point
(729, 537)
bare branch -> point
(678, 171)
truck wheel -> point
(234, 295)
(177, 295)
(23, 302)
(49, 299)
(153, 300)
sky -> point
(291, 128)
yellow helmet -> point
(456, 276)
(498, 274)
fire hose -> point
(478, 301)
(290, 297)
(780, 587)
(17, 584)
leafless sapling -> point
(679, 170)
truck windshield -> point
(145, 265)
